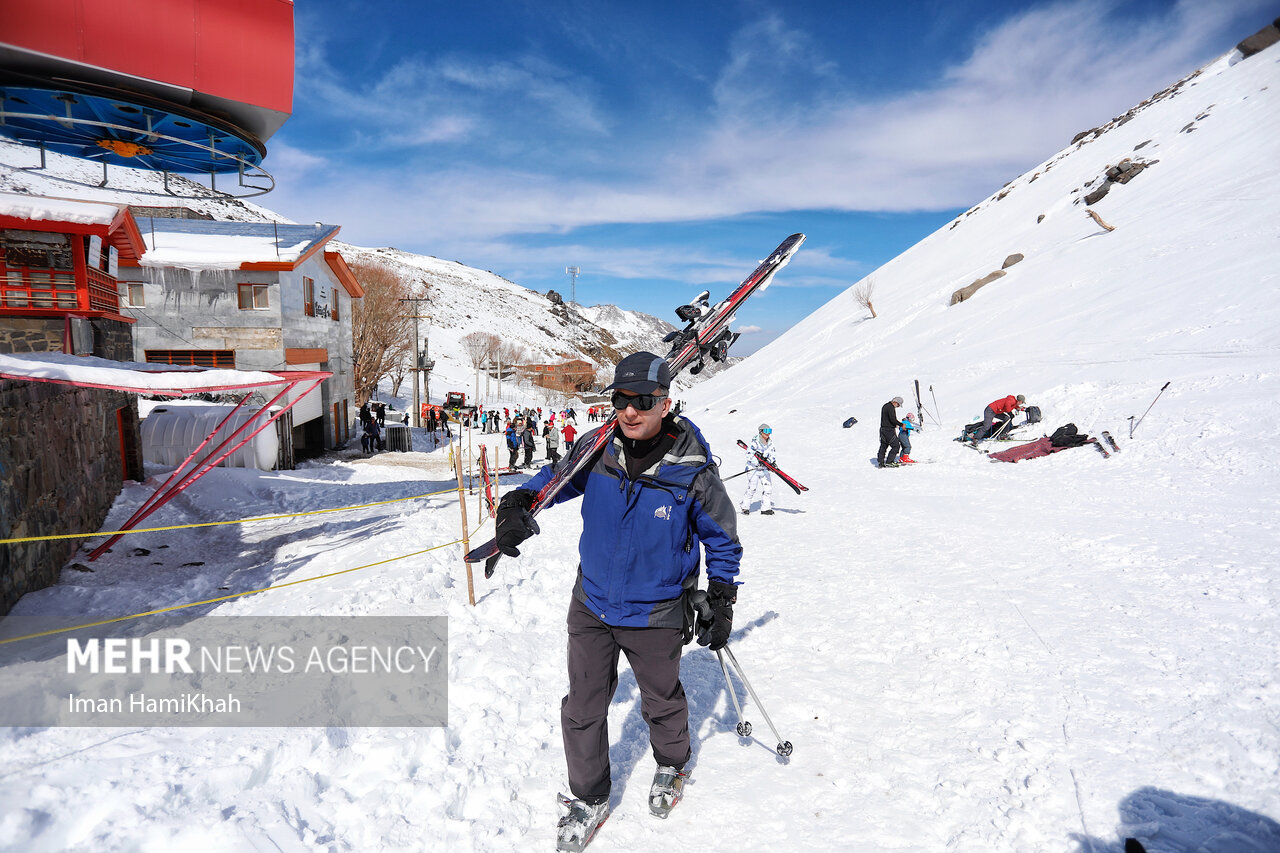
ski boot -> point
(667, 790)
(888, 464)
(906, 460)
(578, 827)
(766, 512)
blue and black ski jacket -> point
(639, 549)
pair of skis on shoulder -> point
(706, 335)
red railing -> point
(57, 292)
(103, 292)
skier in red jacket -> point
(999, 413)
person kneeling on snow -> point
(999, 413)
(759, 480)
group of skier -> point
(895, 435)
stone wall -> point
(60, 455)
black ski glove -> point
(515, 523)
(713, 632)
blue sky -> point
(666, 147)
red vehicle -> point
(457, 401)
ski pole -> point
(700, 606)
(936, 411)
(731, 476)
(1133, 426)
(699, 601)
(743, 728)
(784, 746)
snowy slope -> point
(967, 655)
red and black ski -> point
(707, 334)
(786, 478)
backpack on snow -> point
(1033, 414)
(1067, 436)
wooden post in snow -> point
(466, 537)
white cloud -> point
(1027, 86)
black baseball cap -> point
(641, 372)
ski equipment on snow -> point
(919, 407)
(786, 478)
(1132, 425)
(850, 422)
(1115, 448)
(707, 334)
(576, 829)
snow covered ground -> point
(966, 655)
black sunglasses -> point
(642, 402)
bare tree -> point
(477, 346)
(381, 328)
(863, 292)
(397, 374)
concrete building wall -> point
(200, 309)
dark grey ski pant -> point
(654, 655)
(992, 422)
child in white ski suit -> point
(759, 480)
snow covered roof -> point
(205, 244)
(169, 379)
(39, 208)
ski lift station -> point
(182, 87)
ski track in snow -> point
(946, 687)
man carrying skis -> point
(648, 501)
(759, 481)
(889, 426)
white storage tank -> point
(170, 433)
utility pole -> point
(419, 362)
(573, 272)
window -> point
(309, 296)
(333, 311)
(134, 294)
(197, 357)
(253, 296)
(36, 270)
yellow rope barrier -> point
(224, 597)
(216, 523)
